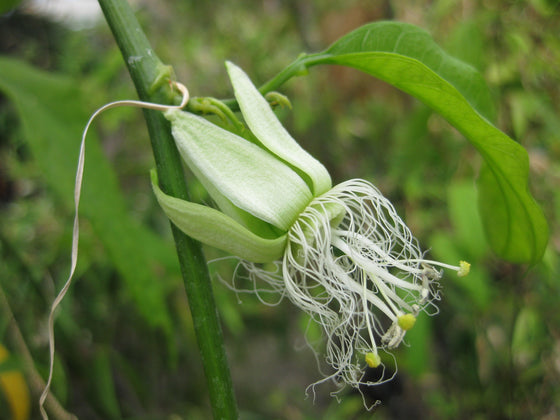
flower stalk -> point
(150, 78)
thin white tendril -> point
(76, 230)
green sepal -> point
(216, 229)
(247, 175)
(264, 124)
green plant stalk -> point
(150, 76)
(299, 67)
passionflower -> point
(341, 254)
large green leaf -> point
(53, 117)
(408, 58)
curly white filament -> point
(76, 227)
(354, 266)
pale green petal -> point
(214, 228)
(251, 178)
(271, 133)
(254, 224)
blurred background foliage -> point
(492, 352)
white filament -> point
(353, 265)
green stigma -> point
(464, 268)
(406, 321)
(373, 360)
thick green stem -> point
(150, 76)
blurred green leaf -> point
(415, 357)
(53, 117)
(10, 364)
(466, 42)
(467, 244)
(7, 5)
(473, 292)
(408, 58)
(529, 334)
(461, 200)
(61, 380)
(104, 387)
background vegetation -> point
(125, 346)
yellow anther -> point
(373, 360)
(464, 268)
(406, 321)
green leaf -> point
(7, 5)
(415, 357)
(104, 389)
(528, 339)
(53, 117)
(466, 243)
(468, 232)
(216, 229)
(407, 57)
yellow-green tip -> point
(373, 360)
(464, 268)
(406, 321)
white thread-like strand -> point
(76, 229)
(354, 266)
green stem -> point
(298, 67)
(149, 76)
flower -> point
(341, 254)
